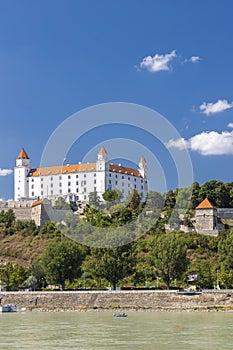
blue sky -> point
(58, 57)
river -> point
(99, 330)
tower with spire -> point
(143, 167)
(21, 172)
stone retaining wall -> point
(135, 300)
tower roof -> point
(205, 204)
(102, 150)
(22, 154)
(142, 159)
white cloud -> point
(180, 143)
(206, 143)
(192, 59)
(5, 172)
(230, 125)
(217, 107)
(158, 62)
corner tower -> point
(206, 218)
(102, 160)
(21, 171)
(143, 167)
(101, 169)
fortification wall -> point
(225, 213)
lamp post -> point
(217, 280)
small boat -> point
(120, 315)
(8, 308)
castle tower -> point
(101, 168)
(102, 159)
(206, 218)
(21, 171)
(143, 167)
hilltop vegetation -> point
(32, 258)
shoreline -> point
(120, 301)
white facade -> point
(78, 180)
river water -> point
(99, 330)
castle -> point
(77, 181)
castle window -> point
(60, 177)
(85, 197)
(77, 183)
(60, 191)
(135, 179)
(135, 186)
(60, 184)
(85, 190)
(94, 181)
(41, 186)
(116, 182)
(68, 176)
(141, 187)
(32, 193)
(84, 182)
(41, 193)
(51, 178)
(51, 192)
(122, 177)
(122, 184)
(69, 183)
(128, 185)
(84, 175)
(52, 185)
(110, 175)
(42, 179)
(129, 178)
(76, 176)
(69, 190)
(77, 189)
(95, 174)
(32, 180)
(95, 189)
(110, 181)
(116, 176)
(32, 186)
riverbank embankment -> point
(120, 300)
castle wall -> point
(225, 213)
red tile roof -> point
(23, 154)
(142, 160)
(124, 170)
(205, 204)
(102, 150)
(63, 169)
(39, 201)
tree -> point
(134, 199)
(225, 258)
(7, 218)
(112, 196)
(113, 263)
(61, 203)
(169, 254)
(12, 276)
(94, 199)
(61, 261)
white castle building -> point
(77, 180)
